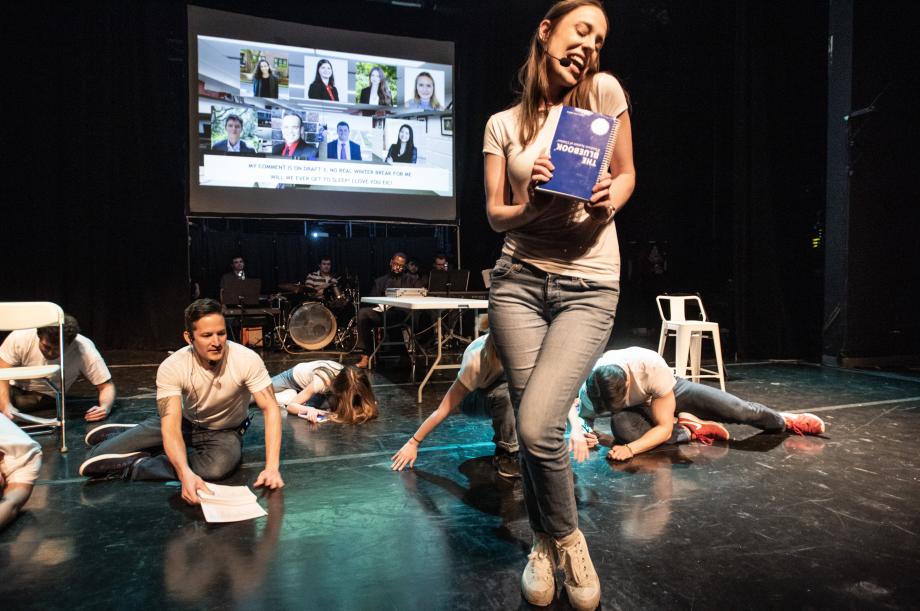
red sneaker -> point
(704, 431)
(803, 424)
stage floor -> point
(766, 521)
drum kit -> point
(310, 322)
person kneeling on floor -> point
(640, 392)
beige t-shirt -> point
(20, 455)
(564, 239)
(213, 400)
(648, 374)
(472, 374)
(20, 349)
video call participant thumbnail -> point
(342, 147)
(424, 97)
(378, 92)
(404, 150)
(233, 143)
(294, 146)
(323, 85)
(264, 81)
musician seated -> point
(372, 316)
(412, 271)
(237, 272)
(440, 263)
(320, 280)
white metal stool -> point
(689, 335)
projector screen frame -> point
(311, 203)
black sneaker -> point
(111, 465)
(105, 431)
(507, 465)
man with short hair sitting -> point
(37, 347)
(203, 396)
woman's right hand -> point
(591, 439)
(578, 446)
(405, 457)
(312, 414)
(542, 171)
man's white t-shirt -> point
(648, 374)
(472, 374)
(20, 349)
(218, 400)
(20, 455)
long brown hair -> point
(350, 396)
(534, 81)
(383, 90)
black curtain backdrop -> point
(728, 102)
(98, 155)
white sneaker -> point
(581, 582)
(538, 583)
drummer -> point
(318, 281)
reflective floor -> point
(767, 521)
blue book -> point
(581, 151)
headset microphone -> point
(565, 62)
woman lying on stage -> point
(343, 392)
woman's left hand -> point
(619, 453)
(599, 206)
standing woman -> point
(264, 81)
(323, 85)
(555, 288)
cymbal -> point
(289, 287)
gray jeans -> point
(212, 454)
(549, 331)
(494, 402)
(702, 401)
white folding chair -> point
(35, 314)
(689, 335)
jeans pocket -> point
(504, 268)
(572, 283)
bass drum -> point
(311, 326)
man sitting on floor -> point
(638, 388)
(203, 396)
(36, 347)
(20, 462)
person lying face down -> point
(343, 392)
